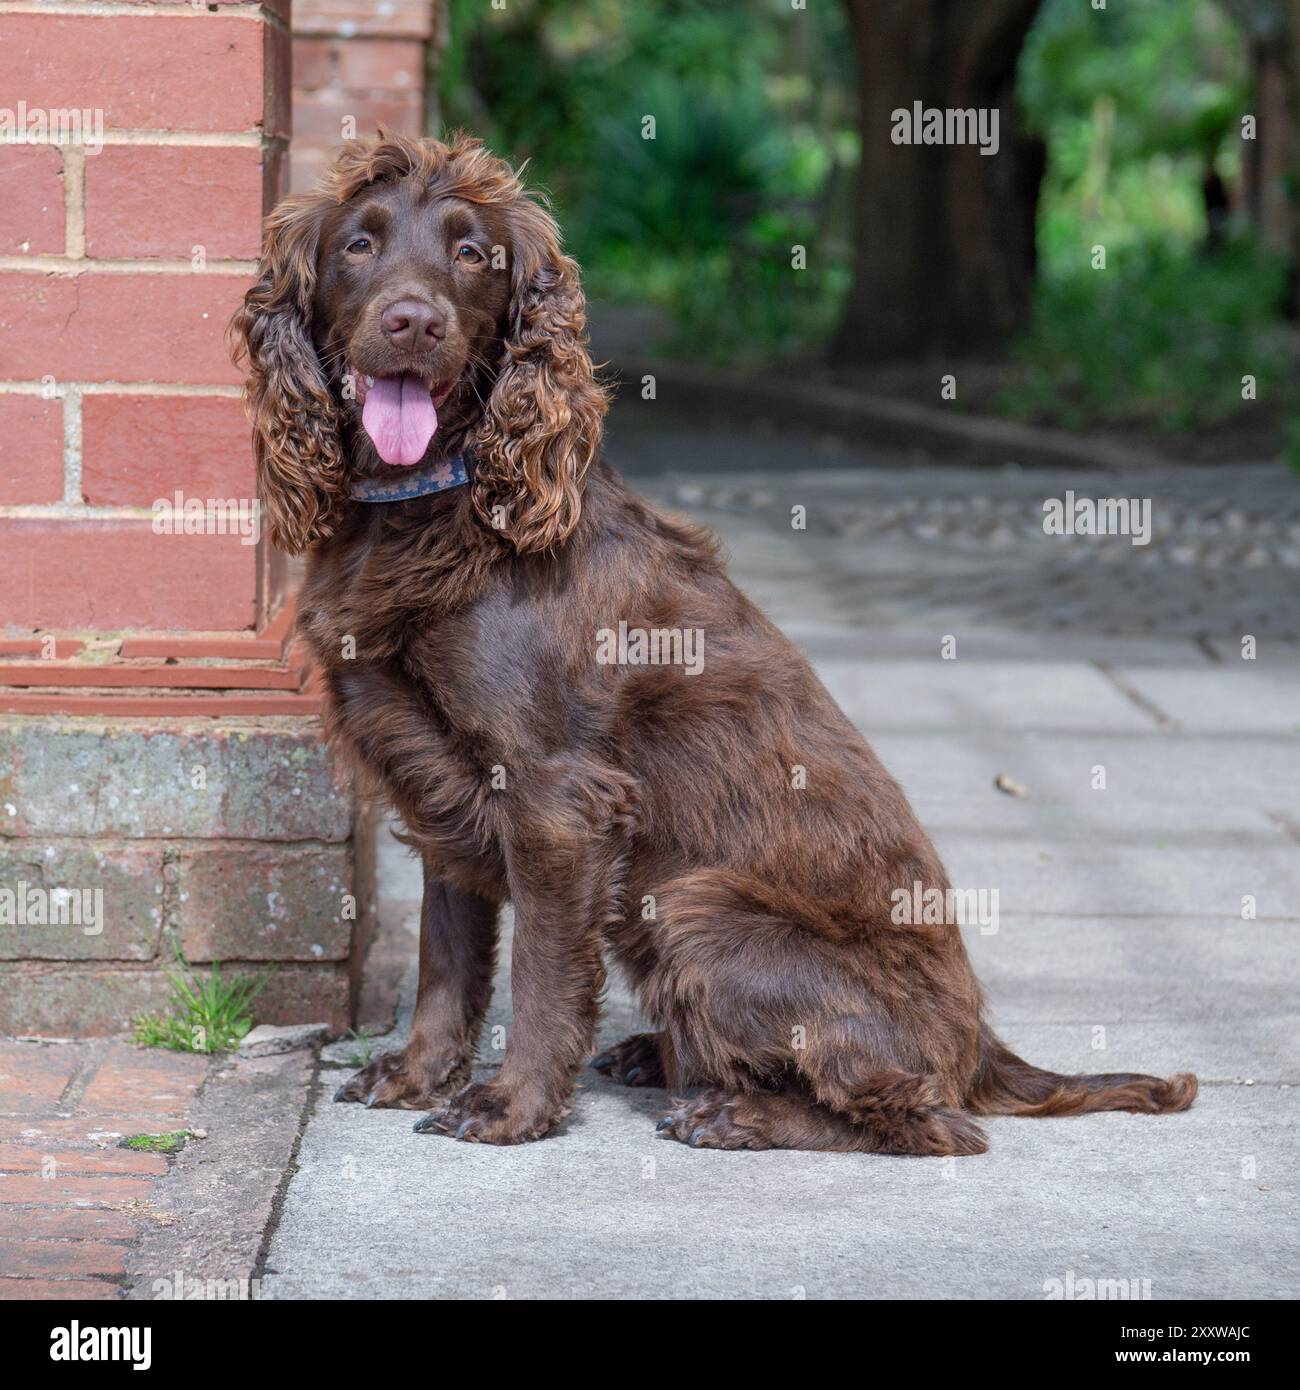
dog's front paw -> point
(489, 1113)
(405, 1080)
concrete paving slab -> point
(979, 694)
(1160, 784)
(1174, 874)
(1199, 1205)
(1246, 697)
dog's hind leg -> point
(636, 1061)
(898, 1117)
(811, 1036)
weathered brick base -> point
(232, 838)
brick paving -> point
(72, 1201)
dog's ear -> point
(542, 422)
(300, 464)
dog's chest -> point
(392, 709)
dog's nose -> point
(412, 324)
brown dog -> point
(719, 825)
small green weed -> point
(207, 1014)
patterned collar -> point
(413, 482)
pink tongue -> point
(399, 418)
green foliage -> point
(1293, 446)
(1162, 332)
(755, 142)
(157, 1143)
(363, 1051)
(1178, 72)
(748, 145)
(1137, 103)
(205, 1014)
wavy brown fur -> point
(540, 430)
(728, 837)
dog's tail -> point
(1006, 1085)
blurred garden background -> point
(1164, 132)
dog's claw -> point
(338, 1095)
(460, 1133)
(632, 1075)
(665, 1123)
(423, 1125)
(606, 1059)
(694, 1140)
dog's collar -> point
(449, 472)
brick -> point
(358, 64)
(186, 72)
(33, 1078)
(126, 887)
(146, 1080)
(92, 1001)
(306, 165)
(32, 433)
(111, 327)
(39, 1259)
(65, 1223)
(136, 449)
(317, 116)
(280, 7)
(143, 201)
(15, 1158)
(102, 575)
(264, 780)
(44, 1290)
(405, 17)
(31, 201)
(250, 902)
(101, 1190)
(91, 1133)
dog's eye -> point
(467, 253)
(361, 247)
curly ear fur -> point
(300, 465)
(541, 426)
(542, 422)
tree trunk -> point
(944, 252)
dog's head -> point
(418, 302)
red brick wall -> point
(356, 67)
(122, 255)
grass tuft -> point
(363, 1050)
(205, 1014)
